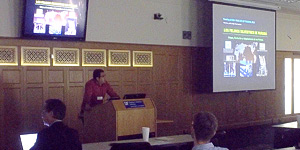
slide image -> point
(229, 69)
(56, 19)
(246, 68)
(245, 52)
(243, 48)
(39, 22)
(262, 69)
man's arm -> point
(111, 92)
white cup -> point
(146, 131)
(298, 119)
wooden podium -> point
(108, 121)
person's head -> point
(204, 126)
(99, 75)
(54, 109)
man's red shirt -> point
(93, 90)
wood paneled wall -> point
(25, 89)
(170, 83)
(2, 139)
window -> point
(288, 85)
(292, 85)
(296, 85)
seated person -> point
(204, 127)
(56, 136)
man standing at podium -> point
(95, 90)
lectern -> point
(108, 121)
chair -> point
(218, 138)
(131, 146)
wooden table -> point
(288, 148)
(286, 135)
(290, 125)
(176, 140)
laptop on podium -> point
(134, 96)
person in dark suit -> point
(56, 136)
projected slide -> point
(55, 19)
(60, 17)
(243, 48)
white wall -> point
(288, 32)
(131, 21)
(11, 18)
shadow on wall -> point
(202, 70)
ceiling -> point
(286, 5)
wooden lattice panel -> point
(66, 57)
(142, 59)
(119, 58)
(93, 57)
(35, 56)
(9, 55)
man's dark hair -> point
(205, 126)
(57, 107)
(97, 73)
